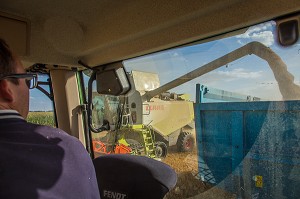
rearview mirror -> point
(112, 82)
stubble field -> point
(188, 184)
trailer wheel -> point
(185, 142)
(161, 150)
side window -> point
(41, 109)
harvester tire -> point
(185, 142)
(161, 150)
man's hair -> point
(7, 60)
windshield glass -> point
(230, 123)
(223, 113)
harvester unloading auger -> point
(289, 90)
(180, 134)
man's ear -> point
(5, 91)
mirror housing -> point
(288, 30)
(112, 80)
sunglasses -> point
(31, 79)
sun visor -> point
(15, 31)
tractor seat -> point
(124, 176)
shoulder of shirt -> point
(42, 129)
(48, 128)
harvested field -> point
(188, 185)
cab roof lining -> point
(104, 31)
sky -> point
(249, 75)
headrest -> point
(123, 176)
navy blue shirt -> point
(42, 162)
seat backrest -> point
(123, 176)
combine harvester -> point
(147, 129)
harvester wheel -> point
(185, 142)
(161, 150)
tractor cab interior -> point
(133, 76)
